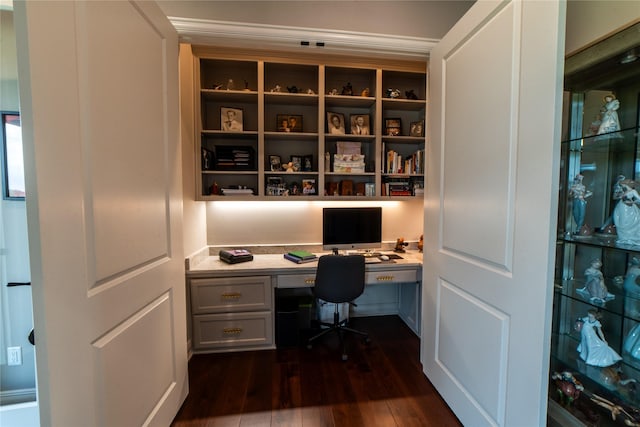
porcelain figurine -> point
(393, 93)
(578, 193)
(610, 122)
(276, 88)
(626, 214)
(410, 95)
(365, 92)
(632, 342)
(630, 283)
(567, 386)
(347, 90)
(593, 347)
(292, 89)
(594, 287)
(617, 192)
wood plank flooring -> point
(381, 384)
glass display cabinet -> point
(595, 349)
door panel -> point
(495, 93)
(105, 216)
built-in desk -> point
(232, 305)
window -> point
(12, 161)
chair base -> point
(339, 326)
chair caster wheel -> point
(344, 357)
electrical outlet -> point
(14, 356)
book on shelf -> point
(299, 260)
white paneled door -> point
(99, 100)
(490, 215)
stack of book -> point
(234, 158)
(300, 257)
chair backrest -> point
(339, 278)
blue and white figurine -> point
(579, 193)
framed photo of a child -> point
(417, 128)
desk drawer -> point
(232, 330)
(296, 280)
(390, 276)
(231, 294)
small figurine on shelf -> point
(246, 86)
(400, 244)
(347, 90)
(630, 284)
(365, 92)
(420, 243)
(230, 84)
(276, 88)
(292, 89)
(593, 347)
(393, 93)
(608, 228)
(567, 386)
(594, 287)
(610, 122)
(410, 95)
(579, 193)
(289, 167)
(626, 214)
(632, 342)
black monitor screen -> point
(352, 228)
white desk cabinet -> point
(232, 312)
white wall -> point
(299, 222)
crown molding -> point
(243, 35)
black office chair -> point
(339, 279)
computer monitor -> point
(351, 228)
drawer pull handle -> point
(310, 281)
(384, 278)
(231, 295)
(232, 331)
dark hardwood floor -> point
(381, 384)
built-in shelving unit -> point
(266, 90)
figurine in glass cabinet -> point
(630, 283)
(594, 287)
(632, 342)
(626, 214)
(610, 122)
(579, 193)
(593, 347)
(617, 191)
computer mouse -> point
(384, 257)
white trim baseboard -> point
(242, 35)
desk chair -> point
(339, 279)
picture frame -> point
(417, 128)
(307, 163)
(308, 187)
(231, 119)
(289, 122)
(335, 123)
(393, 126)
(360, 124)
(275, 162)
(297, 162)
